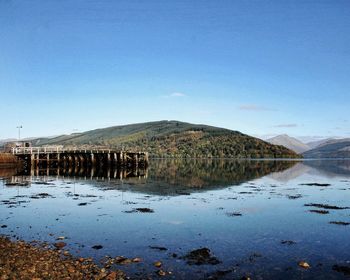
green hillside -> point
(175, 139)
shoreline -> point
(37, 260)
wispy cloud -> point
(286, 125)
(177, 94)
(254, 107)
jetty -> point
(64, 157)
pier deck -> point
(57, 156)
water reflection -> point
(23, 177)
(330, 167)
(261, 228)
(169, 177)
(324, 168)
(163, 177)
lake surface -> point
(251, 215)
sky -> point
(260, 67)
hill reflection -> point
(206, 173)
(162, 177)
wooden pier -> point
(61, 157)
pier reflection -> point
(26, 176)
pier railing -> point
(46, 150)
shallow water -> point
(240, 210)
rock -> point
(157, 264)
(326, 206)
(59, 245)
(315, 184)
(144, 210)
(322, 212)
(201, 256)
(342, 269)
(294, 196)
(158, 248)
(97, 247)
(304, 265)
(82, 204)
(161, 273)
(136, 260)
(122, 260)
(71, 269)
(233, 214)
(119, 259)
(126, 261)
(112, 276)
(288, 242)
(339, 223)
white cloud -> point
(287, 125)
(254, 107)
(174, 95)
(177, 94)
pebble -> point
(161, 272)
(60, 245)
(304, 264)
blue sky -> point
(260, 67)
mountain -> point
(335, 148)
(3, 141)
(289, 142)
(175, 139)
(315, 144)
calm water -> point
(240, 210)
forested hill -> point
(175, 139)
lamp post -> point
(19, 132)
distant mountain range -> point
(315, 144)
(326, 148)
(289, 142)
(335, 148)
(174, 139)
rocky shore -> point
(36, 261)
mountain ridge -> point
(289, 142)
(175, 139)
(335, 148)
